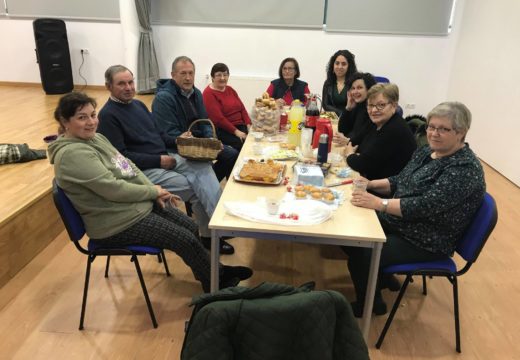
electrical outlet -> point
(85, 51)
(410, 106)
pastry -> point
(299, 188)
(259, 171)
(329, 197)
(316, 195)
(300, 194)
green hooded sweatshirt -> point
(108, 190)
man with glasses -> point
(178, 103)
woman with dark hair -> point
(354, 122)
(425, 209)
(225, 108)
(334, 94)
(116, 201)
(288, 87)
(339, 68)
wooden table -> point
(349, 225)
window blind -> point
(415, 17)
(269, 13)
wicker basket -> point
(199, 149)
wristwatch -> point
(384, 202)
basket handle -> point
(210, 122)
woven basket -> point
(199, 149)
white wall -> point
(414, 63)
(18, 59)
(476, 64)
(486, 78)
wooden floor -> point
(40, 318)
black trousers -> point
(396, 250)
(168, 229)
(230, 139)
(225, 162)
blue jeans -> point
(193, 181)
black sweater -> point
(384, 152)
(355, 123)
(132, 131)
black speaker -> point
(52, 55)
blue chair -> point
(76, 230)
(468, 247)
(381, 79)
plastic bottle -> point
(296, 120)
(323, 148)
(312, 113)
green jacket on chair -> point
(271, 322)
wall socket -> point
(85, 51)
(410, 106)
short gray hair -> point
(114, 69)
(182, 58)
(456, 112)
(388, 90)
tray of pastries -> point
(269, 172)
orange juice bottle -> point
(296, 120)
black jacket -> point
(384, 152)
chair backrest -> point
(69, 215)
(381, 79)
(478, 231)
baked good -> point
(299, 188)
(329, 196)
(260, 171)
(287, 146)
(316, 195)
(326, 190)
(300, 194)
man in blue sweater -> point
(178, 103)
(129, 126)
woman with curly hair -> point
(340, 67)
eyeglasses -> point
(379, 106)
(288, 69)
(440, 130)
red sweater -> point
(225, 108)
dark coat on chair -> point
(273, 321)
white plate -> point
(310, 212)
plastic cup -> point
(273, 205)
(359, 185)
(258, 136)
(257, 149)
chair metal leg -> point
(159, 258)
(394, 310)
(145, 292)
(163, 257)
(107, 266)
(90, 258)
(424, 290)
(453, 281)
